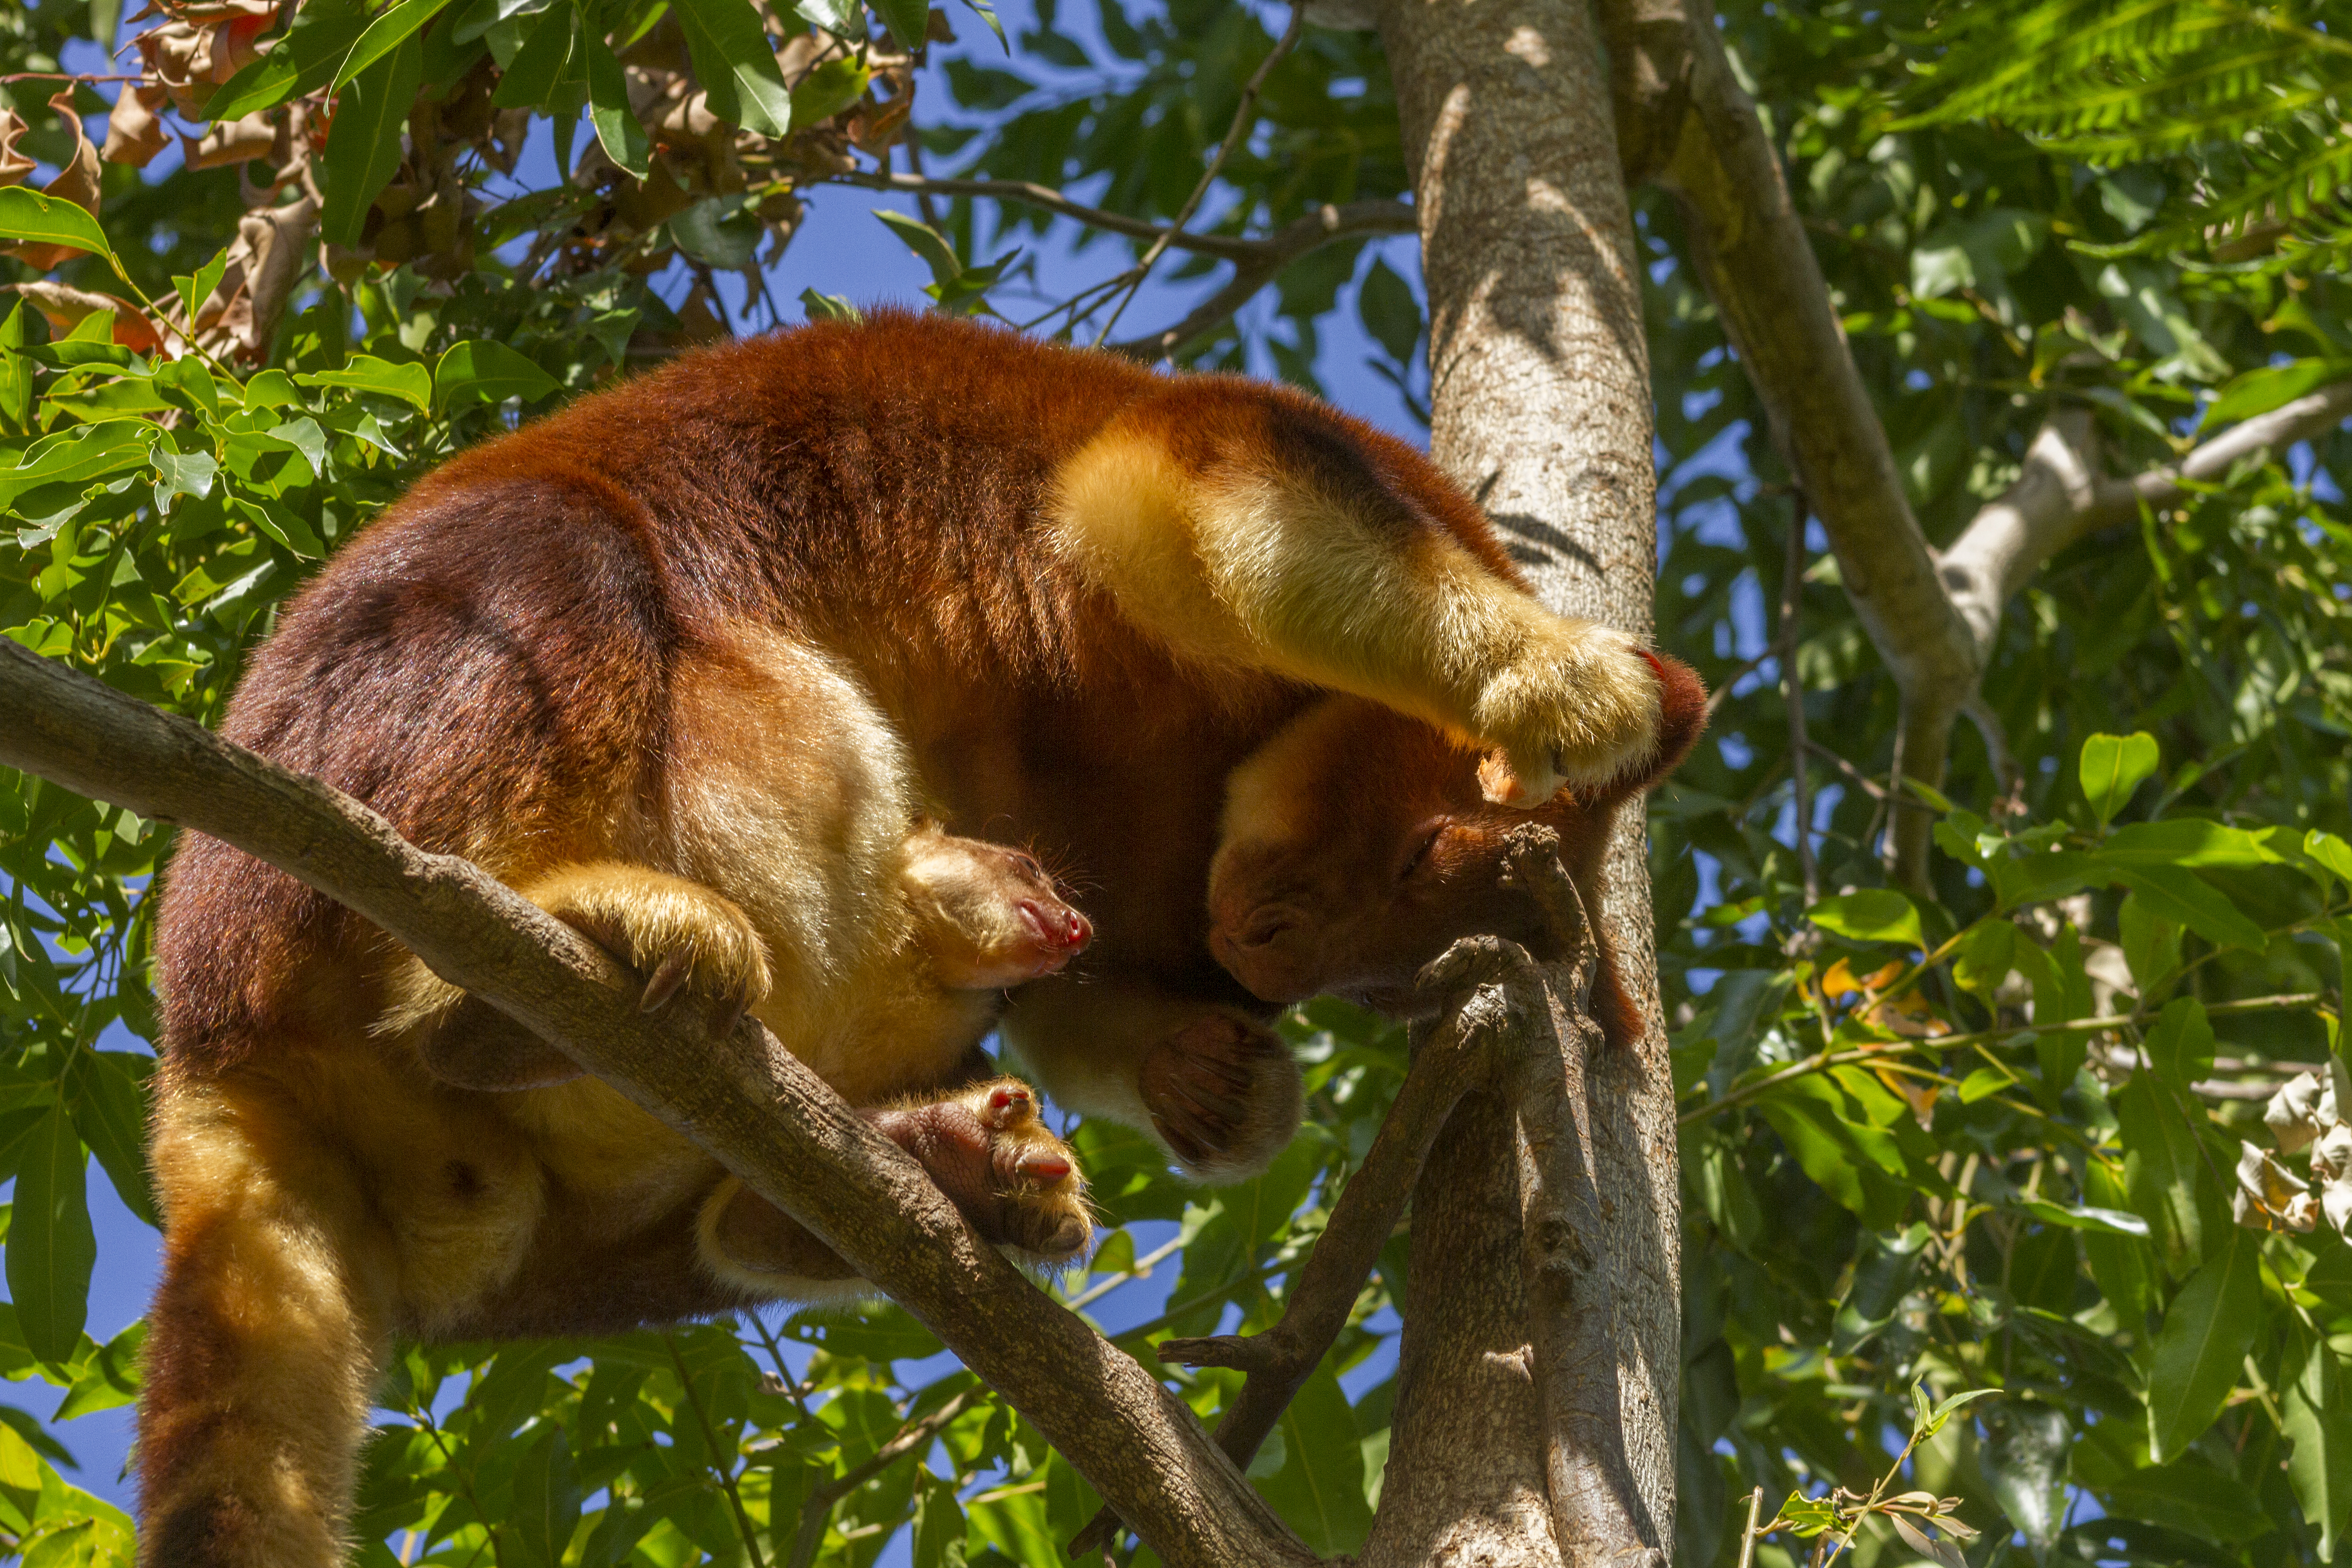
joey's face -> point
(989, 915)
(1357, 848)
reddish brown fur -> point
(492, 666)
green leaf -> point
(82, 453)
(546, 1497)
(50, 1247)
(721, 231)
(828, 90)
(908, 20)
(2331, 852)
(617, 127)
(2203, 1346)
(302, 61)
(531, 77)
(1873, 914)
(1390, 311)
(15, 373)
(2185, 841)
(392, 28)
(27, 214)
(736, 67)
(2114, 1222)
(2181, 1045)
(2259, 391)
(929, 245)
(477, 371)
(2311, 1399)
(108, 1378)
(197, 287)
(2161, 1164)
(2182, 896)
(2112, 766)
(940, 1531)
(412, 382)
(2025, 1461)
(829, 307)
(2190, 1496)
(363, 147)
(1320, 1491)
(109, 1112)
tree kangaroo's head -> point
(1357, 845)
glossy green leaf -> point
(2191, 1496)
(2111, 767)
(393, 27)
(1320, 1490)
(546, 1497)
(50, 1247)
(908, 20)
(735, 64)
(410, 382)
(531, 77)
(940, 1529)
(481, 372)
(2312, 1392)
(28, 215)
(617, 127)
(2025, 1459)
(2200, 1351)
(109, 1113)
(302, 61)
(828, 90)
(2185, 841)
(2261, 390)
(363, 147)
(1875, 914)
(2180, 1043)
(2183, 896)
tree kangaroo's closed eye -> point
(684, 663)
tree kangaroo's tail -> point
(261, 1356)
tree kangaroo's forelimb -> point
(751, 1104)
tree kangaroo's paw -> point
(682, 939)
(1580, 705)
(1223, 1096)
(990, 1154)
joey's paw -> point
(1580, 706)
(682, 939)
(1223, 1095)
(990, 1152)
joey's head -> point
(989, 915)
(1357, 845)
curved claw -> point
(668, 976)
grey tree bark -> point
(1536, 1407)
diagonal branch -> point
(749, 1103)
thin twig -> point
(1854, 775)
(1143, 1270)
(1244, 117)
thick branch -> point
(751, 1104)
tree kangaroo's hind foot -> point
(984, 1148)
(1224, 1094)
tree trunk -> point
(1540, 1434)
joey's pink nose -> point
(1063, 928)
